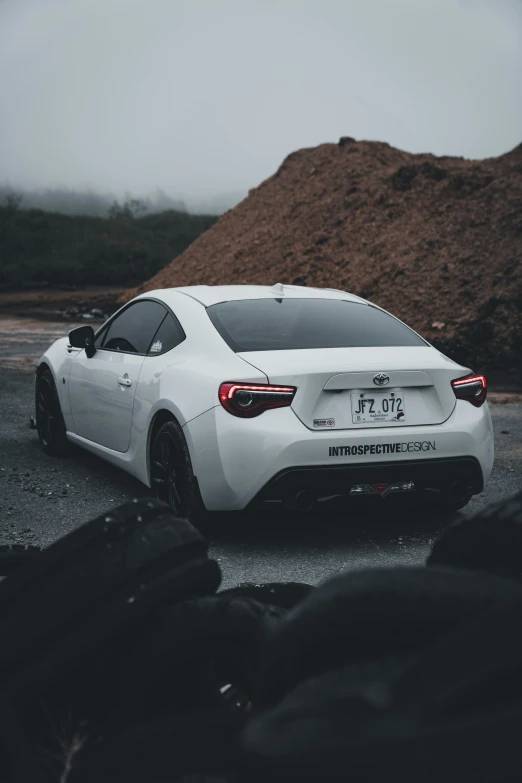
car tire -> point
(198, 745)
(50, 423)
(13, 556)
(172, 477)
(187, 651)
(285, 595)
(68, 608)
(415, 714)
(381, 612)
(490, 541)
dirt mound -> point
(437, 241)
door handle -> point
(125, 381)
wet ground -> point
(56, 303)
(43, 497)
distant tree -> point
(13, 201)
(137, 206)
(163, 202)
(130, 209)
(119, 212)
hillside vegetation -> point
(38, 247)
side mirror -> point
(83, 337)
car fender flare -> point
(160, 408)
(45, 364)
(58, 362)
(42, 366)
(166, 410)
(163, 409)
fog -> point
(204, 98)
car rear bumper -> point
(301, 486)
(240, 461)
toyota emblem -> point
(381, 379)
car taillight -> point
(247, 400)
(472, 388)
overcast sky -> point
(202, 97)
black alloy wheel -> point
(172, 477)
(49, 419)
(168, 472)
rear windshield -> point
(285, 324)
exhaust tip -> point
(302, 500)
(458, 490)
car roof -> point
(214, 294)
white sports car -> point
(228, 397)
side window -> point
(167, 337)
(133, 330)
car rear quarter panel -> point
(184, 381)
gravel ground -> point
(41, 497)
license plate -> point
(377, 406)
